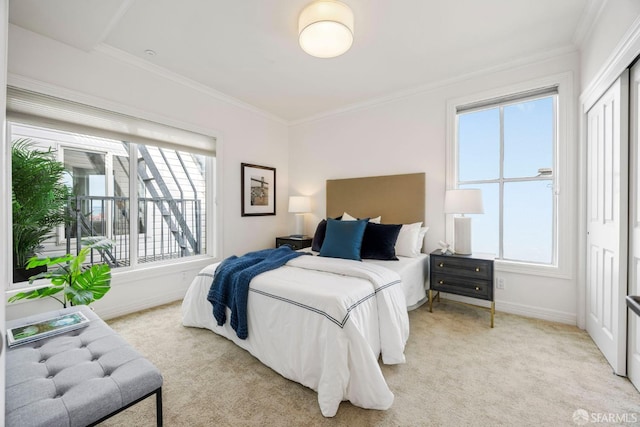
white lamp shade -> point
(325, 28)
(299, 204)
(463, 201)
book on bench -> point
(46, 328)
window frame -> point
(564, 167)
(60, 151)
(213, 227)
(501, 179)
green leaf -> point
(36, 293)
(37, 262)
(38, 197)
(79, 296)
(97, 242)
(96, 279)
(59, 281)
(56, 276)
(81, 284)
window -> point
(146, 190)
(507, 148)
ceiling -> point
(248, 49)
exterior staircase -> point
(168, 200)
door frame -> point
(611, 339)
(633, 288)
(627, 50)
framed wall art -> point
(258, 190)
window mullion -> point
(133, 204)
(478, 181)
(554, 183)
(501, 189)
(109, 208)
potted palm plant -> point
(79, 284)
(38, 197)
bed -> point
(325, 321)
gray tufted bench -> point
(78, 378)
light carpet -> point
(459, 372)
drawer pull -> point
(477, 288)
(477, 269)
(441, 265)
(441, 282)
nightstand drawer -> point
(465, 275)
(459, 266)
(482, 289)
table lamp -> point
(299, 205)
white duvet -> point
(322, 322)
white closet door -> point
(633, 342)
(607, 222)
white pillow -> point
(408, 240)
(423, 232)
(347, 217)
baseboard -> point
(139, 305)
(522, 310)
(537, 312)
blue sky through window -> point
(508, 152)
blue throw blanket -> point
(230, 287)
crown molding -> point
(588, 19)
(516, 63)
(622, 56)
(129, 59)
(163, 72)
(133, 60)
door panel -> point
(607, 202)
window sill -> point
(128, 274)
(144, 271)
(532, 269)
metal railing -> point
(167, 228)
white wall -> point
(408, 135)
(112, 80)
(611, 27)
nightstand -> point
(466, 275)
(294, 242)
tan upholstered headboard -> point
(399, 199)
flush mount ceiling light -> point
(326, 28)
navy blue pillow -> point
(379, 241)
(343, 239)
(318, 237)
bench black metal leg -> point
(158, 394)
(159, 407)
